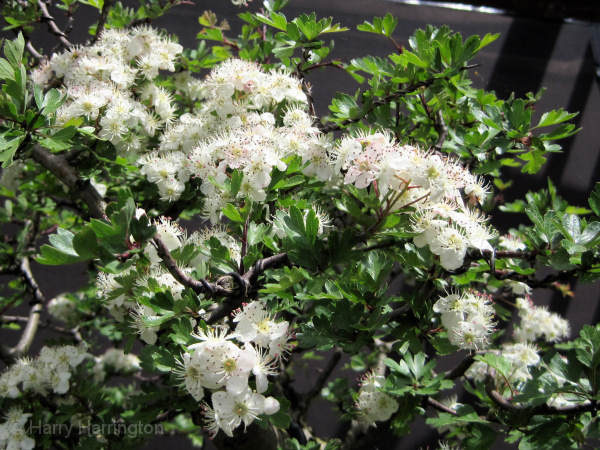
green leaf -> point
(232, 213)
(7, 72)
(571, 226)
(535, 161)
(53, 100)
(594, 200)
(61, 251)
(555, 116)
(9, 147)
(236, 182)
(85, 243)
(498, 362)
(312, 226)
(275, 20)
(13, 50)
(487, 40)
(63, 241)
(156, 359)
(561, 132)
(54, 144)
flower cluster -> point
(114, 360)
(112, 84)
(520, 355)
(223, 363)
(241, 125)
(117, 291)
(50, 371)
(374, 405)
(468, 317)
(12, 431)
(537, 322)
(435, 185)
(63, 308)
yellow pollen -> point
(229, 365)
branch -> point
(461, 368)
(440, 406)
(74, 332)
(61, 169)
(544, 409)
(46, 17)
(442, 131)
(334, 63)
(547, 282)
(102, 21)
(387, 99)
(34, 314)
(251, 277)
(199, 287)
(202, 286)
(377, 103)
(323, 377)
(36, 55)
(304, 84)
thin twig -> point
(544, 409)
(320, 382)
(387, 99)
(102, 21)
(440, 406)
(74, 332)
(46, 17)
(34, 314)
(442, 131)
(251, 277)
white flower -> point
(190, 372)
(226, 364)
(372, 404)
(12, 432)
(62, 308)
(147, 332)
(264, 365)
(234, 409)
(451, 245)
(468, 318)
(256, 325)
(537, 322)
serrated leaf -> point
(9, 147)
(535, 161)
(7, 72)
(554, 117)
(232, 213)
(156, 359)
(85, 243)
(13, 50)
(275, 20)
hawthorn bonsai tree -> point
(295, 227)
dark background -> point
(540, 46)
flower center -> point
(240, 409)
(229, 365)
(264, 326)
